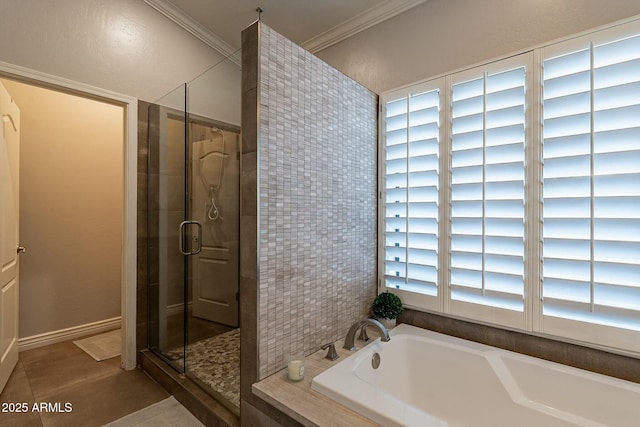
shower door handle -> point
(181, 240)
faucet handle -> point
(331, 354)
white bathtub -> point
(429, 379)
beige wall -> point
(70, 209)
(120, 45)
(440, 36)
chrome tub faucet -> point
(351, 335)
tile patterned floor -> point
(99, 392)
(167, 412)
(216, 362)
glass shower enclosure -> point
(193, 231)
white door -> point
(215, 203)
(9, 198)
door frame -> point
(130, 181)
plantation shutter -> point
(539, 158)
(591, 178)
(487, 191)
(411, 194)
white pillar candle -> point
(296, 370)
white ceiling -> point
(314, 24)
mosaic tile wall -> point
(317, 201)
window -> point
(487, 188)
(518, 204)
(411, 154)
(591, 178)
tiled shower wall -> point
(315, 184)
(142, 278)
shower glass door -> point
(213, 187)
(194, 182)
(167, 292)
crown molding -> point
(358, 23)
(175, 14)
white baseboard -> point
(177, 308)
(35, 341)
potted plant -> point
(386, 308)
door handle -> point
(21, 249)
(181, 229)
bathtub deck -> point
(305, 405)
(492, 381)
